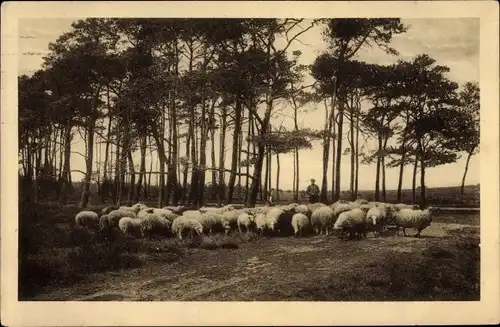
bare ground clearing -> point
(441, 265)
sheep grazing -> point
(399, 206)
(264, 210)
(229, 220)
(260, 222)
(338, 208)
(272, 218)
(182, 223)
(211, 222)
(155, 225)
(245, 220)
(351, 223)
(409, 218)
(300, 223)
(144, 212)
(365, 207)
(87, 219)
(284, 223)
(104, 224)
(194, 214)
(218, 210)
(178, 210)
(116, 215)
(322, 219)
(303, 209)
(361, 201)
(167, 214)
(130, 226)
(107, 210)
(376, 218)
(314, 206)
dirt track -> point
(312, 268)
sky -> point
(453, 42)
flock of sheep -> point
(344, 218)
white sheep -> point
(300, 222)
(176, 209)
(260, 222)
(399, 206)
(154, 224)
(229, 219)
(134, 209)
(351, 223)
(104, 223)
(144, 212)
(361, 201)
(365, 207)
(87, 219)
(211, 221)
(264, 210)
(107, 210)
(409, 218)
(376, 218)
(116, 215)
(182, 223)
(130, 226)
(215, 209)
(194, 214)
(302, 208)
(314, 206)
(322, 219)
(338, 208)
(165, 214)
(245, 220)
(272, 218)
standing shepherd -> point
(271, 197)
(313, 191)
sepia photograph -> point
(327, 159)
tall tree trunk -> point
(162, 157)
(423, 199)
(90, 154)
(186, 165)
(401, 171)
(203, 152)
(131, 187)
(117, 184)
(66, 183)
(339, 150)
(261, 151)
(384, 193)
(326, 153)
(277, 176)
(222, 156)
(142, 170)
(240, 142)
(414, 180)
(462, 187)
(294, 188)
(194, 159)
(377, 176)
(266, 176)
(356, 180)
(249, 135)
(235, 151)
(214, 164)
(147, 190)
(353, 150)
(105, 181)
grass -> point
(446, 272)
(54, 253)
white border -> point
(14, 313)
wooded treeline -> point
(184, 89)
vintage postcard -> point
(250, 163)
